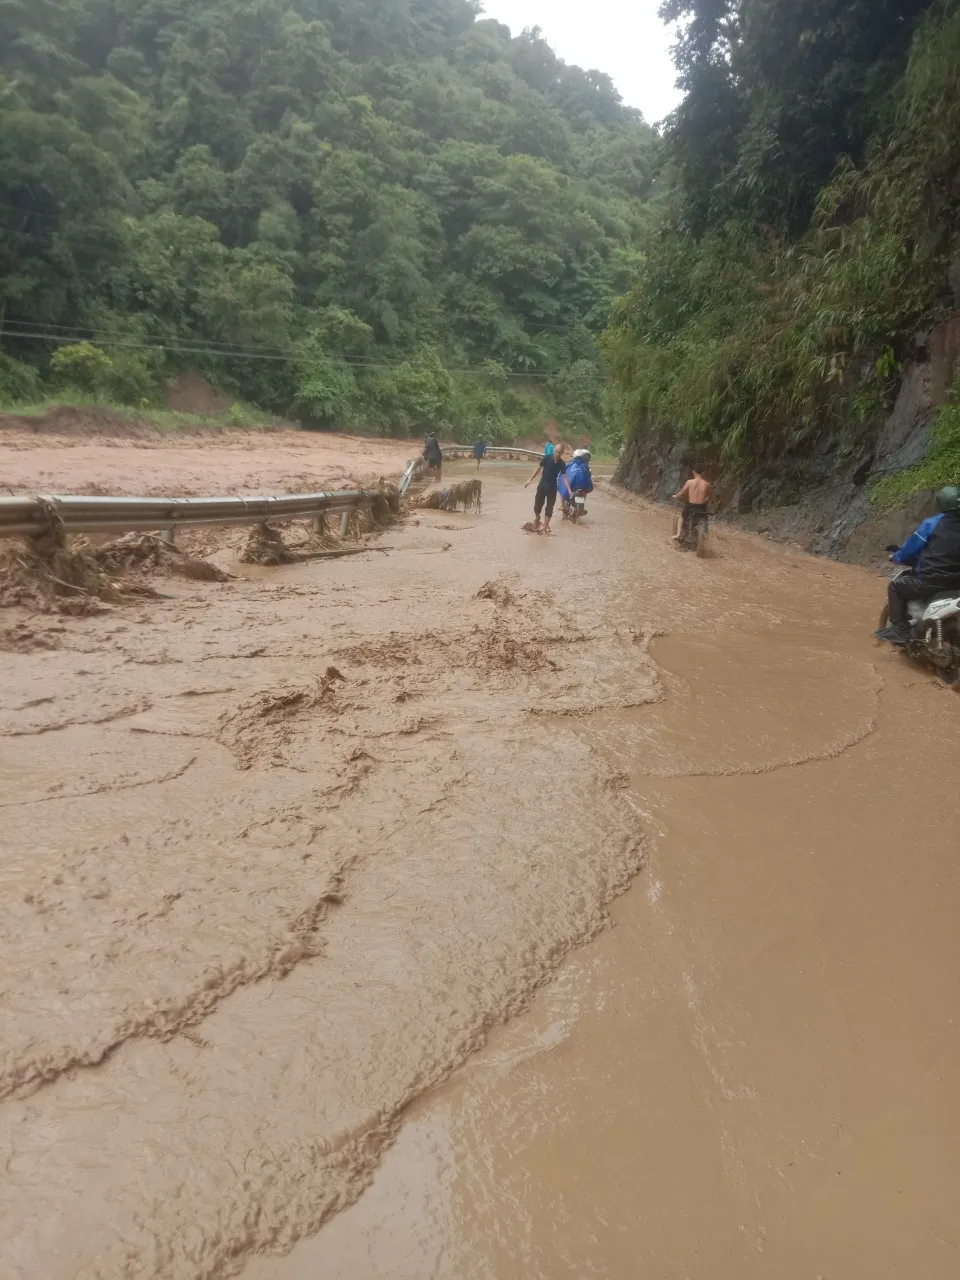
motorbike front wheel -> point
(884, 617)
(701, 541)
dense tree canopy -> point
(386, 210)
(812, 222)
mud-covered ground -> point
(74, 452)
(283, 853)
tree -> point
(337, 187)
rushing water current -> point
(298, 874)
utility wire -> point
(51, 327)
(256, 355)
(65, 332)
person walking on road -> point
(432, 456)
(480, 450)
(550, 468)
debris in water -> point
(146, 551)
(465, 496)
(44, 574)
(266, 546)
(48, 576)
(498, 592)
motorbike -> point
(692, 532)
(935, 632)
(575, 507)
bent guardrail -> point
(415, 469)
(24, 517)
(416, 466)
(507, 452)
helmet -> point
(948, 499)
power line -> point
(252, 354)
(143, 346)
(77, 328)
(64, 332)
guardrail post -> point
(344, 524)
(320, 524)
(169, 536)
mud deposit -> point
(283, 855)
(76, 456)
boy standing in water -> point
(550, 468)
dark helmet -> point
(948, 499)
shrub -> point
(940, 467)
(19, 382)
(82, 365)
(130, 379)
(327, 392)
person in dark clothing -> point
(432, 456)
(479, 450)
(935, 553)
(550, 468)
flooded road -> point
(304, 873)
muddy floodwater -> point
(498, 907)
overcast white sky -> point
(624, 38)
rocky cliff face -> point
(821, 499)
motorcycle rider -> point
(933, 551)
(695, 496)
(577, 477)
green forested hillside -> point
(379, 212)
(812, 226)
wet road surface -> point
(288, 859)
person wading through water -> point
(432, 456)
(550, 468)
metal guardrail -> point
(416, 466)
(493, 451)
(24, 517)
(415, 469)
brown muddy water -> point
(501, 907)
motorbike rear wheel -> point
(701, 541)
(884, 617)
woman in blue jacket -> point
(577, 477)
